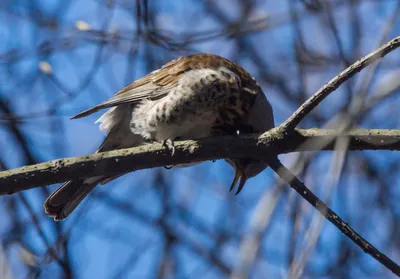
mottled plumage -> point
(188, 98)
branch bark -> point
(190, 151)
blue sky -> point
(98, 232)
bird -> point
(190, 97)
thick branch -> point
(155, 155)
(334, 83)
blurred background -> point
(60, 57)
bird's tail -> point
(70, 194)
(65, 199)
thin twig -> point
(315, 227)
(331, 216)
(291, 123)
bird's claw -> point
(169, 144)
(239, 176)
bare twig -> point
(334, 83)
(331, 216)
(315, 227)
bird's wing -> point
(154, 86)
(158, 83)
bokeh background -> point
(60, 57)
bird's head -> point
(259, 119)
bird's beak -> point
(238, 175)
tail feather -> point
(115, 123)
(66, 198)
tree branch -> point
(190, 151)
(332, 217)
(334, 83)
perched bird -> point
(191, 97)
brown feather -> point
(158, 83)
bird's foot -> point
(169, 145)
